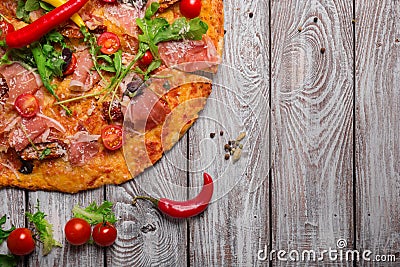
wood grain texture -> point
(378, 126)
(235, 225)
(145, 236)
(312, 104)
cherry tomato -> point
(109, 43)
(5, 28)
(77, 231)
(147, 58)
(190, 8)
(27, 105)
(71, 66)
(20, 242)
(112, 137)
(104, 234)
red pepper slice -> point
(184, 209)
(44, 24)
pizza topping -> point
(27, 105)
(70, 61)
(190, 8)
(109, 43)
(112, 137)
(49, 150)
(19, 81)
(113, 112)
(83, 147)
(189, 55)
(147, 58)
(5, 28)
(34, 31)
(3, 90)
(82, 72)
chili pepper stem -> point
(153, 200)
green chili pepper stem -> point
(153, 200)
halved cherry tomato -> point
(147, 58)
(71, 66)
(27, 105)
(20, 242)
(104, 234)
(190, 8)
(112, 137)
(5, 28)
(109, 43)
(77, 231)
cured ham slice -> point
(189, 55)
(83, 78)
(19, 81)
(83, 147)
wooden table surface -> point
(316, 86)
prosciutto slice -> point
(83, 78)
(189, 55)
(19, 81)
(83, 147)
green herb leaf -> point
(21, 12)
(32, 5)
(44, 228)
(4, 233)
(45, 6)
(45, 153)
(8, 260)
(94, 214)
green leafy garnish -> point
(8, 260)
(4, 233)
(45, 153)
(157, 30)
(94, 214)
(22, 13)
(32, 5)
(45, 230)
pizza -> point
(93, 92)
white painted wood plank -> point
(378, 127)
(235, 225)
(312, 104)
(145, 236)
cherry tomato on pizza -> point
(104, 234)
(190, 8)
(109, 43)
(20, 242)
(27, 105)
(77, 231)
(112, 137)
(70, 68)
(147, 58)
(5, 28)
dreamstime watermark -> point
(339, 254)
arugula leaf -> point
(4, 233)
(21, 12)
(32, 5)
(45, 6)
(44, 228)
(8, 260)
(156, 30)
(94, 214)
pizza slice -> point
(82, 107)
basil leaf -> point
(197, 28)
(4, 233)
(21, 12)
(32, 5)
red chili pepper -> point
(44, 24)
(184, 209)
